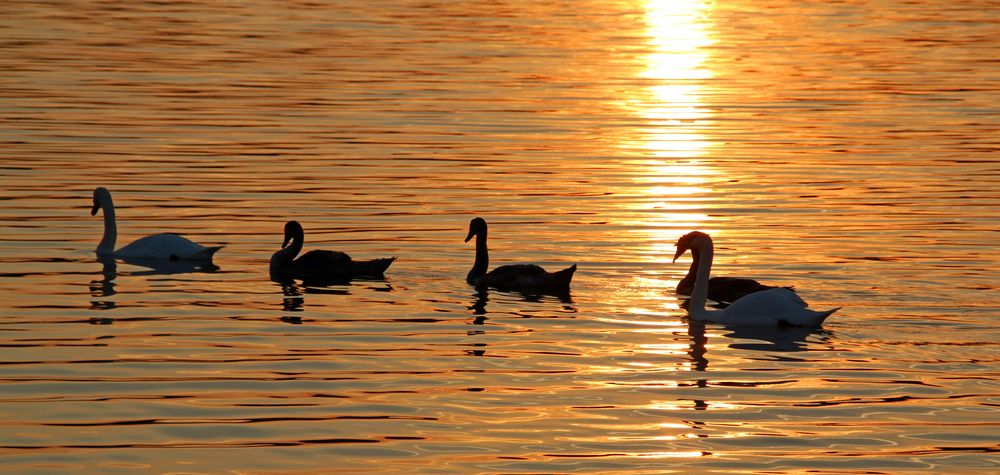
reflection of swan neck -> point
(109, 270)
(699, 296)
(107, 245)
(696, 330)
(482, 256)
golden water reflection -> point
(670, 173)
(671, 176)
(671, 105)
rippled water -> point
(847, 148)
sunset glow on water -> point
(848, 149)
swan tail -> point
(811, 318)
(560, 280)
(372, 268)
(827, 313)
(821, 316)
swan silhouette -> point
(320, 265)
(776, 306)
(721, 289)
(517, 277)
(158, 246)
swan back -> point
(777, 306)
(527, 278)
(167, 246)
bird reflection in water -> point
(103, 288)
(754, 338)
(478, 308)
(781, 339)
(292, 300)
(167, 267)
(293, 293)
(697, 350)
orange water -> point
(846, 148)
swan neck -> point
(688, 281)
(107, 245)
(482, 257)
(281, 261)
(295, 247)
(699, 296)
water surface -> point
(848, 149)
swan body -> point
(721, 289)
(775, 306)
(157, 246)
(320, 265)
(516, 277)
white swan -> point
(778, 306)
(158, 246)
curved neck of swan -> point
(699, 296)
(282, 260)
(689, 278)
(107, 245)
(482, 257)
(295, 247)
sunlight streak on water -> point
(675, 67)
(676, 183)
(843, 149)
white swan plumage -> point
(158, 246)
(777, 306)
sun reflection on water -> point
(672, 178)
(675, 72)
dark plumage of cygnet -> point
(528, 278)
(724, 290)
(320, 265)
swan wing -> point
(511, 274)
(321, 266)
(318, 260)
(528, 278)
(514, 276)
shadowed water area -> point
(849, 149)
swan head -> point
(477, 227)
(293, 230)
(101, 196)
(693, 241)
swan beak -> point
(680, 252)
(93, 211)
(284, 243)
(471, 233)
